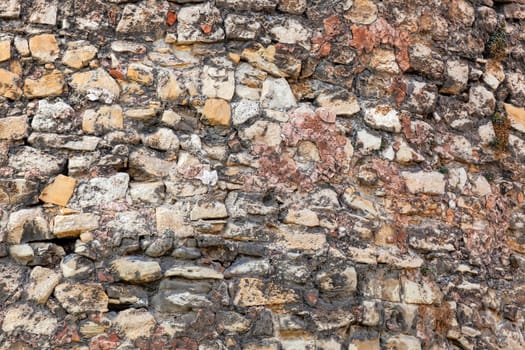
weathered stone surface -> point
(254, 292)
(42, 282)
(276, 94)
(44, 47)
(100, 190)
(74, 224)
(13, 128)
(96, 85)
(403, 342)
(30, 159)
(9, 84)
(383, 117)
(143, 18)
(106, 118)
(5, 50)
(217, 112)
(55, 116)
(341, 103)
(17, 191)
(422, 182)
(44, 12)
(27, 224)
(193, 272)
(59, 191)
(29, 319)
(135, 323)
(10, 9)
(22, 253)
(516, 116)
(79, 55)
(191, 29)
(304, 217)
(136, 269)
(208, 210)
(82, 297)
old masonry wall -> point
(262, 174)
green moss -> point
(497, 44)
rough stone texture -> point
(262, 174)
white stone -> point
(244, 110)
(42, 281)
(193, 272)
(276, 94)
(481, 187)
(290, 31)
(29, 319)
(367, 141)
(135, 323)
(383, 117)
(424, 182)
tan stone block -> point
(13, 128)
(254, 292)
(5, 50)
(369, 344)
(59, 191)
(82, 297)
(41, 284)
(96, 81)
(79, 57)
(74, 225)
(140, 73)
(51, 84)
(169, 88)
(9, 85)
(44, 47)
(304, 217)
(217, 112)
(104, 119)
(516, 116)
(135, 323)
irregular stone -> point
(384, 288)
(494, 74)
(461, 11)
(135, 323)
(208, 210)
(515, 81)
(44, 12)
(104, 119)
(192, 29)
(22, 46)
(383, 117)
(342, 103)
(28, 159)
(291, 240)
(482, 101)
(127, 295)
(420, 293)
(218, 80)
(22, 253)
(46, 254)
(163, 139)
(59, 191)
(122, 46)
(254, 292)
(424, 182)
(457, 73)
(405, 342)
(9, 85)
(5, 50)
(58, 117)
(100, 190)
(12, 277)
(82, 297)
(27, 224)
(234, 322)
(13, 128)
(367, 141)
(168, 301)
(73, 225)
(422, 97)
(276, 94)
(217, 112)
(10, 9)
(295, 7)
(74, 143)
(304, 217)
(140, 73)
(29, 319)
(338, 281)
(42, 282)
(18, 191)
(264, 133)
(143, 18)
(244, 110)
(193, 272)
(515, 114)
(384, 61)
(75, 266)
(249, 5)
(240, 27)
(514, 11)
(173, 218)
(169, 88)
(273, 62)
(423, 59)
(44, 47)
(362, 12)
(147, 192)
(249, 267)
(96, 84)
(136, 269)
(145, 165)
(79, 54)
(289, 30)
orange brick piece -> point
(59, 191)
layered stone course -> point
(262, 174)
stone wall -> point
(262, 174)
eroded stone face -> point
(262, 174)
